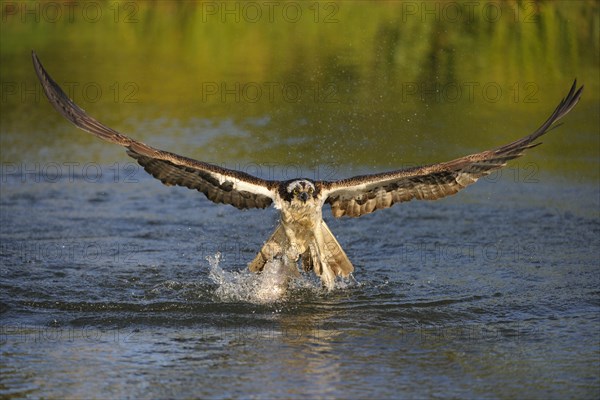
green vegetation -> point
(408, 81)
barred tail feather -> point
(334, 255)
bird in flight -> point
(301, 233)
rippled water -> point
(120, 289)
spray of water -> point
(275, 283)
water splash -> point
(276, 283)
(267, 287)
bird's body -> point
(301, 232)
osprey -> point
(302, 233)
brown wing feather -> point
(219, 184)
(364, 194)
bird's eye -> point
(296, 190)
(311, 190)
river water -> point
(120, 289)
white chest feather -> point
(300, 222)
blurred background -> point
(351, 85)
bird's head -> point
(302, 190)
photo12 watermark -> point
(73, 251)
(54, 12)
(89, 92)
(432, 333)
(470, 11)
(442, 253)
(287, 171)
(469, 91)
(54, 333)
(69, 171)
(271, 92)
(291, 12)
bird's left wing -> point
(220, 185)
(361, 195)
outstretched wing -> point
(220, 185)
(361, 195)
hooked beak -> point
(304, 196)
